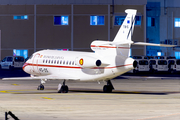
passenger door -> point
(35, 68)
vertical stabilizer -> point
(126, 30)
(122, 41)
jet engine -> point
(88, 62)
(135, 64)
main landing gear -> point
(108, 88)
(41, 86)
(63, 88)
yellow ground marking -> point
(15, 84)
(47, 98)
(6, 91)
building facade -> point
(28, 26)
(163, 24)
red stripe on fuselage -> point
(57, 66)
(110, 47)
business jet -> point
(109, 60)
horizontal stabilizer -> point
(152, 44)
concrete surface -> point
(132, 100)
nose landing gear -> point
(41, 86)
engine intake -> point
(135, 64)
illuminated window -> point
(61, 20)
(23, 53)
(20, 17)
(150, 22)
(177, 22)
(158, 53)
(177, 55)
(96, 20)
(120, 19)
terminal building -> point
(27, 26)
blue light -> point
(25, 17)
(23, 53)
(61, 20)
(20, 17)
(96, 20)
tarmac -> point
(132, 99)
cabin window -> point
(61, 62)
(43, 61)
(54, 61)
(58, 62)
(69, 62)
(73, 63)
(64, 62)
(49, 61)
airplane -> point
(109, 60)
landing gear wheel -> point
(40, 87)
(107, 89)
(64, 89)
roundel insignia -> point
(81, 61)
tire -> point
(40, 87)
(11, 67)
(64, 89)
(107, 89)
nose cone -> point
(25, 67)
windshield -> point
(137, 57)
(171, 62)
(153, 62)
(19, 59)
(162, 62)
(178, 62)
(143, 62)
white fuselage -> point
(72, 65)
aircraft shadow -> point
(126, 92)
(54, 91)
